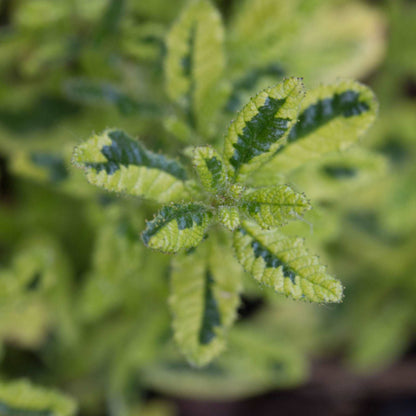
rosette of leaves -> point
(282, 126)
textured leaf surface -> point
(261, 127)
(229, 217)
(284, 264)
(195, 60)
(273, 206)
(210, 168)
(205, 290)
(22, 398)
(177, 227)
(118, 163)
(332, 118)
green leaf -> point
(284, 264)
(273, 206)
(205, 289)
(210, 168)
(261, 127)
(22, 398)
(331, 119)
(229, 217)
(333, 176)
(195, 61)
(39, 264)
(177, 227)
(117, 261)
(115, 162)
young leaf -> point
(284, 264)
(273, 206)
(261, 127)
(177, 227)
(331, 119)
(229, 217)
(22, 398)
(205, 290)
(195, 61)
(210, 168)
(115, 162)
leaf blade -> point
(284, 264)
(261, 127)
(115, 162)
(195, 61)
(273, 206)
(331, 119)
(210, 168)
(204, 297)
(177, 227)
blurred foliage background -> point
(83, 308)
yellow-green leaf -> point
(261, 127)
(284, 264)
(177, 227)
(274, 205)
(195, 61)
(115, 162)
(332, 118)
(205, 289)
(21, 397)
(210, 168)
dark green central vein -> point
(259, 133)
(215, 167)
(211, 316)
(346, 104)
(124, 151)
(270, 259)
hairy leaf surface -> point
(331, 119)
(210, 168)
(274, 205)
(205, 290)
(177, 227)
(261, 127)
(284, 264)
(229, 217)
(115, 162)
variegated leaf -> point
(210, 168)
(195, 61)
(261, 127)
(177, 227)
(205, 289)
(284, 264)
(331, 119)
(115, 162)
(333, 176)
(22, 398)
(274, 205)
(229, 217)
